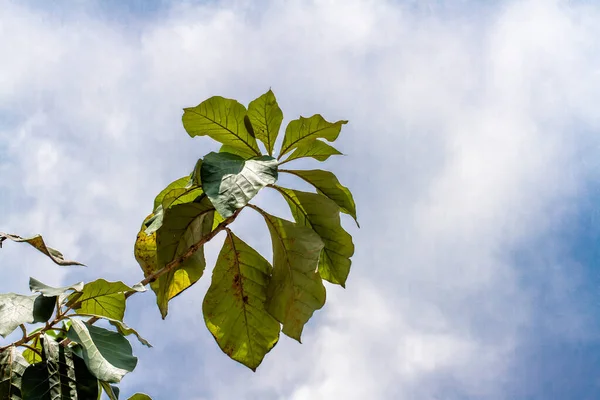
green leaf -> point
(15, 309)
(103, 298)
(43, 308)
(62, 375)
(31, 356)
(304, 130)
(223, 120)
(12, 367)
(140, 396)
(111, 391)
(230, 182)
(296, 289)
(180, 183)
(234, 306)
(245, 153)
(183, 226)
(316, 149)
(37, 242)
(107, 354)
(323, 216)
(49, 291)
(327, 184)
(145, 249)
(266, 116)
(123, 328)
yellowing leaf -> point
(234, 306)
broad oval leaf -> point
(322, 215)
(266, 116)
(316, 149)
(304, 130)
(12, 367)
(145, 249)
(223, 120)
(230, 181)
(38, 242)
(103, 298)
(107, 354)
(296, 290)
(15, 309)
(234, 306)
(183, 226)
(327, 184)
(180, 183)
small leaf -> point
(108, 355)
(327, 184)
(15, 309)
(234, 306)
(145, 249)
(323, 216)
(12, 367)
(103, 298)
(266, 116)
(140, 396)
(37, 242)
(230, 182)
(304, 130)
(223, 120)
(316, 149)
(111, 391)
(43, 308)
(296, 289)
(49, 291)
(183, 226)
(180, 183)
(31, 356)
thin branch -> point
(36, 351)
(24, 330)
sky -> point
(472, 150)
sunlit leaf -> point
(37, 242)
(15, 309)
(107, 354)
(234, 306)
(223, 120)
(183, 226)
(122, 328)
(327, 184)
(230, 181)
(266, 116)
(111, 391)
(49, 291)
(180, 183)
(140, 396)
(304, 130)
(296, 289)
(12, 367)
(323, 216)
(145, 249)
(316, 149)
(104, 298)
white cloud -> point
(464, 145)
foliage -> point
(250, 299)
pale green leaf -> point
(15, 309)
(37, 242)
(266, 116)
(296, 289)
(107, 354)
(327, 184)
(180, 183)
(230, 181)
(304, 130)
(316, 149)
(223, 120)
(49, 291)
(12, 367)
(104, 298)
(122, 328)
(234, 306)
(183, 226)
(140, 396)
(323, 216)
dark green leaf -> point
(107, 354)
(234, 306)
(123, 328)
(12, 367)
(304, 130)
(296, 289)
(104, 298)
(37, 242)
(43, 308)
(183, 226)
(223, 120)
(316, 149)
(230, 182)
(328, 185)
(15, 309)
(266, 116)
(323, 216)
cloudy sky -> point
(473, 152)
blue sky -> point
(472, 152)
